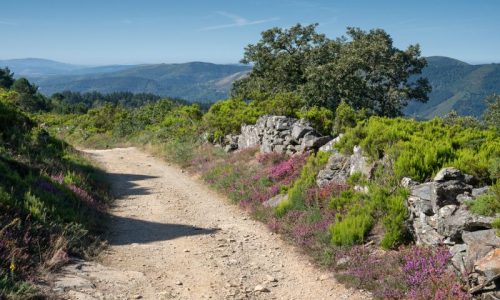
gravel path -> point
(172, 238)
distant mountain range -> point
(194, 81)
(456, 85)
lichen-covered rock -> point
(489, 265)
(249, 136)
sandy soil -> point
(172, 238)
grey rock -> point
(329, 147)
(421, 198)
(452, 221)
(479, 243)
(230, 147)
(359, 163)
(300, 129)
(449, 173)
(489, 265)
(312, 141)
(249, 137)
(279, 148)
(407, 182)
(459, 252)
(276, 200)
(446, 192)
(336, 170)
(480, 191)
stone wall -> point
(279, 134)
(439, 216)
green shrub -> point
(487, 204)
(321, 119)
(346, 117)
(225, 117)
(420, 149)
(352, 228)
(394, 220)
(496, 225)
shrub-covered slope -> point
(50, 201)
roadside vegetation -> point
(51, 201)
(363, 236)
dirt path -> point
(172, 238)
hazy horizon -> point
(114, 32)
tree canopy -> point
(6, 78)
(363, 69)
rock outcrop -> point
(281, 134)
(439, 216)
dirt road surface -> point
(171, 237)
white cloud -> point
(237, 21)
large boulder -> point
(449, 173)
(300, 129)
(329, 147)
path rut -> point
(172, 238)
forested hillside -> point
(456, 86)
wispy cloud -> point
(237, 21)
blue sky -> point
(154, 31)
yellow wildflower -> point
(12, 266)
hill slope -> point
(195, 81)
(457, 86)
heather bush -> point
(410, 273)
(307, 179)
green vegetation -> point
(487, 204)
(375, 75)
(420, 149)
(51, 199)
